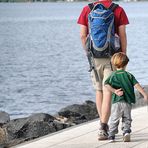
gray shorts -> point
(104, 70)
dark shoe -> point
(104, 126)
(111, 138)
(126, 137)
(103, 132)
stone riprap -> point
(13, 132)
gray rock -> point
(4, 118)
(37, 125)
(34, 126)
(59, 126)
(79, 113)
(41, 117)
(2, 136)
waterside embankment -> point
(16, 131)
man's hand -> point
(119, 92)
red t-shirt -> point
(119, 13)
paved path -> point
(85, 135)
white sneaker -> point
(111, 139)
(126, 137)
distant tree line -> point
(32, 0)
(56, 0)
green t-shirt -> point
(126, 81)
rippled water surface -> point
(42, 64)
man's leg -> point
(105, 114)
(104, 70)
(98, 84)
(106, 105)
(99, 97)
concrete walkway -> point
(85, 135)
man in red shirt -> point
(103, 66)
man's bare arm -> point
(123, 38)
(83, 35)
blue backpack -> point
(102, 39)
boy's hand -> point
(146, 97)
(119, 92)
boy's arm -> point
(141, 90)
(118, 92)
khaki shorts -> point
(104, 70)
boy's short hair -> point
(119, 60)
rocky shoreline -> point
(13, 132)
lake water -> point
(42, 64)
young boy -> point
(121, 83)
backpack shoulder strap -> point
(113, 6)
(91, 6)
